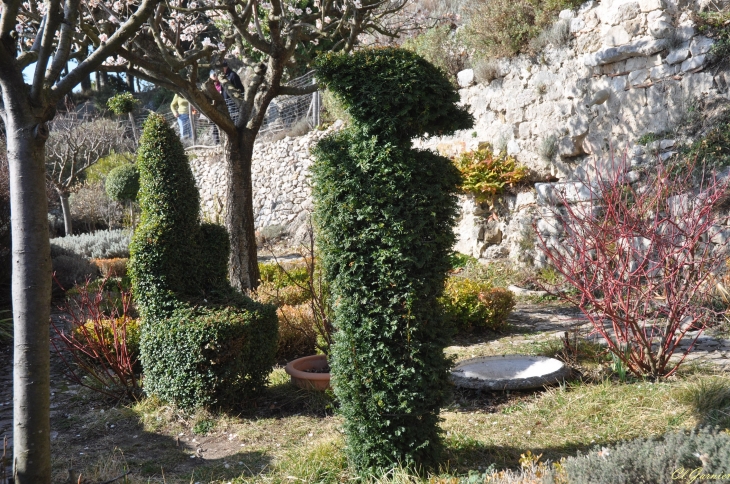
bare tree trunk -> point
(243, 267)
(134, 128)
(31, 288)
(66, 210)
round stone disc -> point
(509, 372)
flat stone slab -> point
(509, 372)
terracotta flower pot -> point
(297, 369)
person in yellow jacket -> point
(181, 109)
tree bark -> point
(243, 268)
(31, 288)
(66, 210)
(130, 82)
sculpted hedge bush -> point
(384, 215)
(202, 343)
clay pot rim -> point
(292, 368)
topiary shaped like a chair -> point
(202, 344)
(384, 214)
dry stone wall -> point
(282, 194)
(632, 67)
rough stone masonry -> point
(631, 68)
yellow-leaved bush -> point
(485, 175)
(472, 304)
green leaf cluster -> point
(178, 267)
(384, 214)
(209, 356)
(122, 183)
(485, 174)
(122, 103)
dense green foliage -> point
(209, 356)
(122, 103)
(384, 215)
(202, 344)
(98, 172)
(672, 458)
(394, 93)
(485, 174)
(164, 244)
(471, 304)
(122, 183)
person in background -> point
(181, 109)
(235, 82)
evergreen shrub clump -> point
(384, 214)
(122, 183)
(202, 344)
(675, 457)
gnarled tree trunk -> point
(243, 265)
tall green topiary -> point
(202, 344)
(384, 215)
(164, 243)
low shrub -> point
(102, 244)
(116, 267)
(503, 28)
(293, 295)
(100, 350)
(485, 174)
(280, 276)
(675, 457)
(471, 304)
(639, 263)
(297, 332)
(106, 331)
(91, 209)
(72, 269)
(96, 174)
(212, 356)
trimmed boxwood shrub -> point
(163, 249)
(209, 356)
(202, 344)
(122, 183)
(675, 457)
(384, 214)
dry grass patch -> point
(563, 420)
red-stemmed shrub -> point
(641, 259)
(99, 342)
